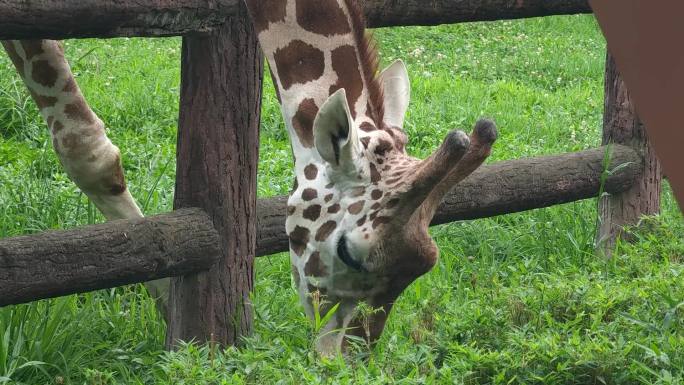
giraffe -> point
(358, 215)
(78, 135)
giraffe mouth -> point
(346, 258)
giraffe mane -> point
(369, 60)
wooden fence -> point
(210, 250)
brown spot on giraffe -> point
(71, 142)
(312, 213)
(322, 18)
(334, 208)
(325, 230)
(346, 66)
(79, 111)
(43, 101)
(365, 141)
(70, 85)
(299, 237)
(383, 147)
(43, 73)
(309, 194)
(57, 126)
(361, 221)
(389, 132)
(376, 194)
(356, 207)
(117, 185)
(291, 210)
(367, 127)
(380, 221)
(399, 136)
(32, 48)
(303, 121)
(265, 12)
(375, 175)
(328, 197)
(311, 172)
(299, 63)
(392, 203)
(375, 206)
(315, 267)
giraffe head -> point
(358, 216)
(358, 220)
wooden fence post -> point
(217, 164)
(621, 125)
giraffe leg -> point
(78, 135)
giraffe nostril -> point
(345, 256)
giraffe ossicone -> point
(358, 216)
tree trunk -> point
(64, 19)
(217, 164)
(495, 189)
(621, 125)
(116, 253)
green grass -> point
(517, 299)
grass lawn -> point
(515, 299)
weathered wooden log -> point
(182, 242)
(61, 19)
(391, 13)
(111, 254)
(499, 188)
(621, 125)
(218, 143)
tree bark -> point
(66, 19)
(111, 254)
(621, 125)
(63, 19)
(499, 188)
(217, 165)
(390, 13)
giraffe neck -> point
(314, 48)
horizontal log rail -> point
(116, 253)
(495, 189)
(111, 254)
(62, 19)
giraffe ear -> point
(334, 133)
(397, 92)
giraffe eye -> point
(345, 256)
